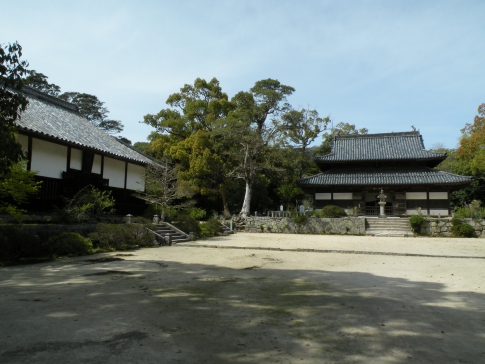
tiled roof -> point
(58, 119)
(383, 177)
(379, 147)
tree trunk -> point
(222, 191)
(245, 211)
(162, 215)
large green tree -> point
(16, 183)
(185, 132)
(301, 128)
(255, 130)
(201, 166)
(94, 110)
(194, 108)
(472, 143)
(12, 103)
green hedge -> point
(416, 221)
(68, 244)
(16, 244)
(187, 224)
(460, 228)
(331, 211)
(122, 236)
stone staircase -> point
(392, 226)
(176, 236)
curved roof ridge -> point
(389, 134)
(52, 99)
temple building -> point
(69, 153)
(360, 166)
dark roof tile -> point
(50, 116)
(379, 147)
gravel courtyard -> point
(252, 298)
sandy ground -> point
(352, 300)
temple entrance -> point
(372, 207)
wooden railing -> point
(376, 210)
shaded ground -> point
(206, 305)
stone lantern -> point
(382, 202)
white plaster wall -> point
(416, 196)
(134, 179)
(76, 159)
(114, 170)
(49, 159)
(438, 195)
(440, 212)
(96, 164)
(412, 212)
(323, 196)
(342, 196)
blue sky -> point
(383, 65)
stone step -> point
(388, 227)
(389, 233)
(175, 236)
(388, 223)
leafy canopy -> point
(472, 143)
(94, 110)
(12, 103)
(39, 82)
(194, 108)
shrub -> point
(141, 236)
(112, 237)
(187, 224)
(69, 244)
(197, 213)
(88, 202)
(456, 221)
(16, 244)
(416, 221)
(463, 213)
(302, 219)
(214, 226)
(331, 211)
(141, 220)
(466, 230)
(459, 228)
(204, 232)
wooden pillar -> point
(126, 174)
(68, 163)
(29, 153)
(102, 165)
(427, 203)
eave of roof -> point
(384, 177)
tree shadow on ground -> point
(149, 311)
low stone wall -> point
(442, 227)
(313, 225)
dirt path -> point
(208, 305)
